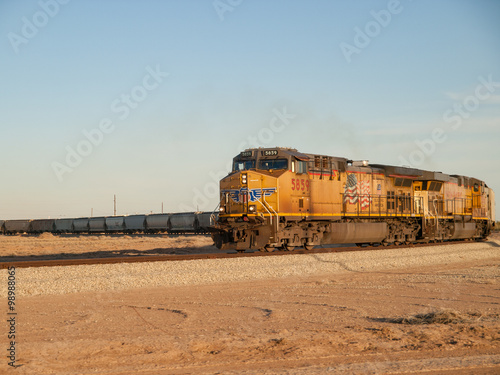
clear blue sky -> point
(180, 86)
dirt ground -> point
(48, 246)
(432, 320)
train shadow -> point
(493, 243)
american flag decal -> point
(351, 189)
(355, 190)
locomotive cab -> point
(250, 188)
(250, 197)
(266, 160)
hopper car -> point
(283, 198)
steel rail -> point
(78, 261)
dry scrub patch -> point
(441, 317)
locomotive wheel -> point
(308, 247)
(287, 247)
(267, 248)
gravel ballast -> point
(116, 277)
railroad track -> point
(78, 260)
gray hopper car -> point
(97, 224)
(115, 224)
(63, 225)
(42, 225)
(17, 226)
(157, 222)
(81, 225)
(205, 220)
(135, 223)
(182, 222)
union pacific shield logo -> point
(253, 195)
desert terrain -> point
(432, 310)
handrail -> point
(271, 207)
(269, 212)
(402, 203)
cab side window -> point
(301, 166)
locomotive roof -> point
(389, 170)
(422, 175)
(294, 152)
(416, 174)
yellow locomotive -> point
(282, 198)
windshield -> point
(273, 164)
(243, 165)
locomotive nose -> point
(246, 193)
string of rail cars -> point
(172, 223)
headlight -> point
(244, 178)
(222, 210)
(252, 208)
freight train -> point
(282, 198)
(174, 223)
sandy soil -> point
(433, 319)
(48, 245)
